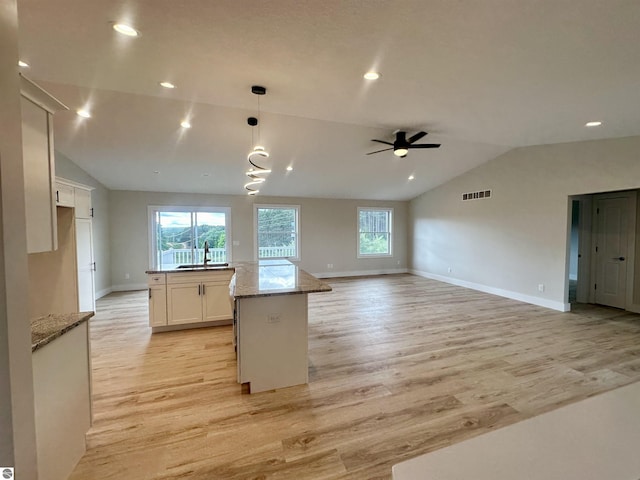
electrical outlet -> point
(330, 266)
(126, 276)
(541, 287)
(273, 318)
(236, 243)
(449, 269)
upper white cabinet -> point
(65, 195)
(72, 194)
(83, 203)
(38, 108)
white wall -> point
(65, 168)
(17, 424)
(328, 232)
(517, 239)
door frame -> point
(632, 198)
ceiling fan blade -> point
(425, 145)
(382, 141)
(416, 137)
(378, 151)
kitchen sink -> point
(200, 265)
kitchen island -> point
(271, 323)
(267, 302)
(62, 391)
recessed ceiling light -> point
(22, 64)
(593, 124)
(156, 171)
(83, 113)
(167, 85)
(411, 177)
(289, 168)
(126, 30)
(185, 124)
(372, 75)
(205, 174)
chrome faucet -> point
(206, 254)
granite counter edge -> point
(49, 327)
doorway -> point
(602, 233)
(614, 237)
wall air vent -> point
(482, 194)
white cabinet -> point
(157, 300)
(78, 196)
(86, 265)
(191, 298)
(82, 203)
(39, 167)
(64, 195)
(75, 195)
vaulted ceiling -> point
(481, 76)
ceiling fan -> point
(402, 145)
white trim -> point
(391, 213)
(129, 287)
(151, 231)
(542, 302)
(360, 273)
(103, 292)
(256, 206)
(71, 183)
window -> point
(178, 234)
(374, 232)
(277, 231)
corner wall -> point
(517, 239)
(328, 233)
(17, 418)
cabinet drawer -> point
(157, 279)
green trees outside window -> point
(374, 232)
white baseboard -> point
(360, 273)
(103, 292)
(542, 302)
(128, 287)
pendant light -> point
(258, 154)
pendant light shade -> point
(258, 154)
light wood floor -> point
(399, 366)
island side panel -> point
(272, 341)
(61, 378)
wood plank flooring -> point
(399, 366)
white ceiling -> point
(482, 76)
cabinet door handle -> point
(94, 266)
(91, 210)
(203, 289)
(57, 196)
(199, 290)
(149, 292)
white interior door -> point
(86, 267)
(611, 251)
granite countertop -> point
(274, 277)
(48, 328)
(208, 268)
(264, 278)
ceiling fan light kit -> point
(402, 144)
(258, 152)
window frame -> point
(256, 249)
(390, 213)
(152, 237)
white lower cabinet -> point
(157, 305)
(189, 298)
